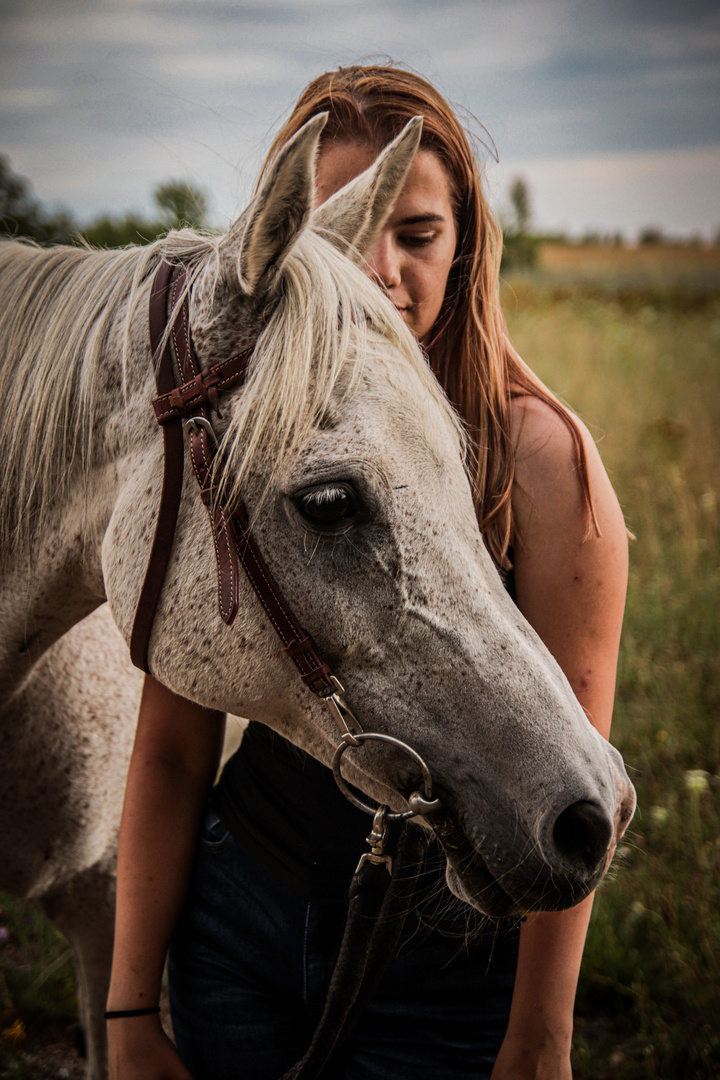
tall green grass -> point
(38, 1000)
(646, 378)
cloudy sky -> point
(609, 108)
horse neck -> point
(56, 578)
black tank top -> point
(285, 808)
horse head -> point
(350, 462)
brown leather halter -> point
(185, 409)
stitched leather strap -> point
(231, 532)
(172, 476)
(202, 389)
(232, 538)
(201, 455)
(301, 649)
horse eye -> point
(327, 505)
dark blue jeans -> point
(250, 964)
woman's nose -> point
(384, 263)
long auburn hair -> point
(470, 350)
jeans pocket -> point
(214, 833)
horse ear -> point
(279, 211)
(354, 216)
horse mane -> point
(63, 309)
(59, 311)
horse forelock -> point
(68, 313)
(330, 325)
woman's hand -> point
(139, 1049)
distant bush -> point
(519, 245)
(22, 215)
(652, 234)
(114, 232)
(179, 204)
(519, 250)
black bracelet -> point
(117, 1014)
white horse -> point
(397, 589)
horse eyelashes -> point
(327, 505)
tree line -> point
(177, 204)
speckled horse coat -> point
(398, 592)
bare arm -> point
(572, 591)
(174, 760)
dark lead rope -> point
(379, 903)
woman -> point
(553, 525)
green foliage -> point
(115, 232)
(646, 375)
(519, 245)
(651, 234)
(37, 985)
(112, 232)
(519, 250)
(36, 964)
(179, 205)
(22, 215)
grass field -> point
(632, 341)
(682, 276)
(643, 369)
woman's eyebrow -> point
(421, 219)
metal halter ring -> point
(418, 803)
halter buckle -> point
(192, 426)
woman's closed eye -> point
(418, 239)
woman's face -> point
(416, 248)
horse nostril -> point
(582, 833)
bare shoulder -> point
(570, 582)
(547, 491)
